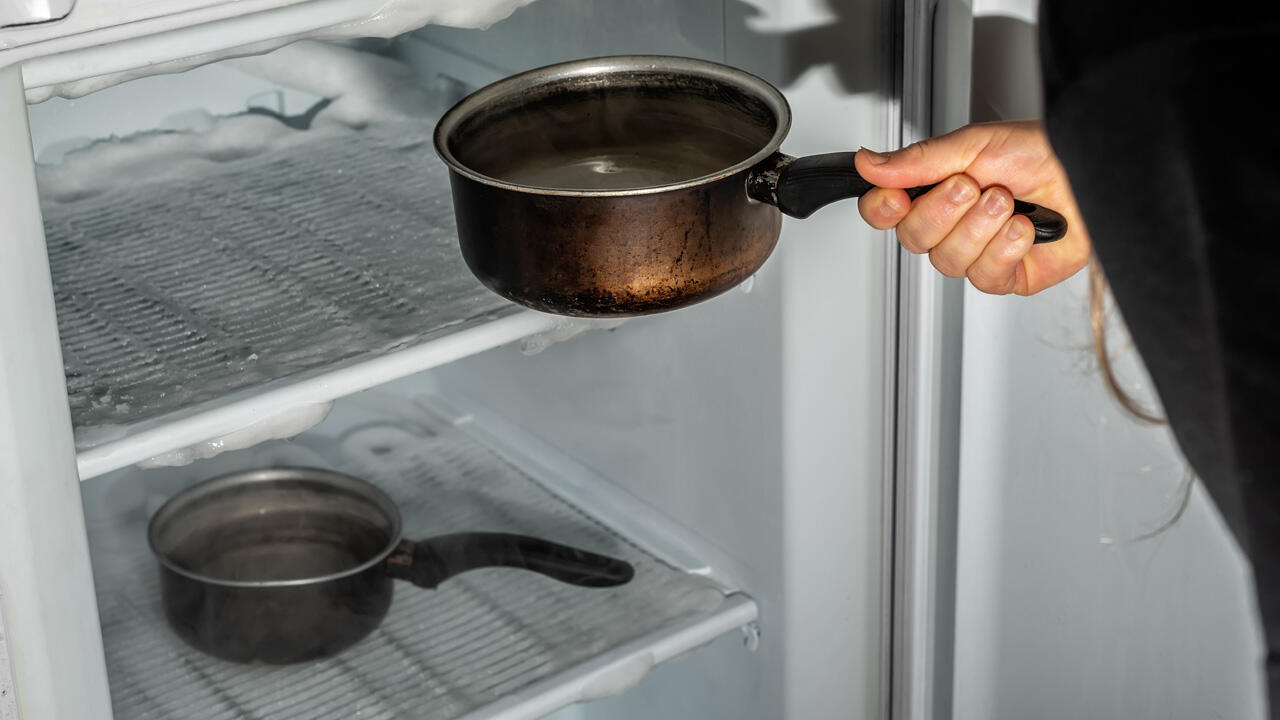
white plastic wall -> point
(755, 419)
(1059, 613)
(45, 633)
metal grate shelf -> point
(490, 643)
(182, 294)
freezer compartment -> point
(488, 643)
(236, 246)
(336, 247)
(219, 279)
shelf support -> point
(47, 603)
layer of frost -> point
(363, 90)
(363, 87)
(189, 265)
(521, 631)
(565, 328)
(284, 424)
(386, 19)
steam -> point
(608, 133)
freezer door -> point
(935, 89)
(1094, 577)
(50, 636)
(1053, 560)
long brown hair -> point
(1098, 321)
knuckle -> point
(989, 282)
(911, 242)
(881, 208)
(946, 205)
(997, 205)
(918, 150)
(962, 190)
(917, 233)
(1015, 239)
(947, 264)
(934, 213)
(867, 208)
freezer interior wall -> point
(756, 420)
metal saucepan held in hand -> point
(283, 565)
(631, 185)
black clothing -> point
(1159, 117)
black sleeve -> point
(1163, 124)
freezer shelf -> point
(105, 42)
(239, 292)
(487, 644)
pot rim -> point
(174, 506)
(520, 83)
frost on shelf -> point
(565, 328)
(388, 19)
(480, 638)
(362, 88)
(281, 425)
(189, 266)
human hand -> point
(966, 224)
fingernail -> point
(961, 192)
(889, 206)
(1014, 231)
(876, 158)
(995, 204)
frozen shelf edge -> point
(90, 49)
(266, 406)
(318, 265)
(618, 670)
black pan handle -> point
(427, 563)
(799, 186)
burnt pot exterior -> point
(276, 624)
(613, 255)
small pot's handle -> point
(799, 186)
(427, 563)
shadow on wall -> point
(1006, 74)
(846, 35)
(850, 41)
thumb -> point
(923, 163)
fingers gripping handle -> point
(1049, 225)
(800, 186)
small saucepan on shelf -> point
(283, 565)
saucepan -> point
(634, 184)
(282, 565)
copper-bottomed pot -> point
(634, 184)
